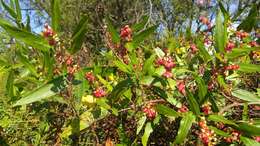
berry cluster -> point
(90, 77)
(50, 35)
(168, 64)
(99, 92)
(126, 33)
(241, 34)
(150, 111)
(206, 135)
(206, 109)
(71, 68)
(232, 67)
(229, 46)
(234, 137)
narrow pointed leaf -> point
(10, 10)
(140, 37)
(193, 104)
(184, 128)
(147, 131)
(219, 34)
(28, 38)
(164, 110)
(78, 36)
(245, 95)
(249, 141)
(140, 124)
(113, 32)
(45, 91)
(249, 68)
(218, 118)
(55, 14)
(18, 11)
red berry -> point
(167, 74)
(52, 42)
(126, 33)
(168, 63)
(253, 44)
(181, 87)
(90, 77)
(183, 109)
(159, 61)
(150, 112)
(232, 67)
(229, 46)
(99, 92)
(257, 138)
(206, 109)
(193, 48)
(210, 86)
(69, 60)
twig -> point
(226, 108)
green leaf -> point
(139, 26)
(249, 129)
(113, 32)
(9, 10)
(164, 110)
(203, 52)
(184, 128)
(148, 65)
(140, 37)
(251, 20)
(55, 15)
(78, 35)
(147, 131)
(18, 11)
(245, 95)
(28, 38)
(248, 68)
(103, 103)
(224, 11)
(245, 112)
(120, 88)
(147, 80)
(219, 34)
(28, 25)
(249, 142)
(218, 118)
(238, 52)
(219, 132)
(104, 82)
(159, 52)
(202, 88)
(140, 124)
(45, 91)
(193, 104)
(122, 66)
(26, 63)
(10, 84)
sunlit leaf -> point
(245, 95)
(55, 15)
(164, 110)
(28, 38)
(184, 128)
(147, 131)
(50, 89)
